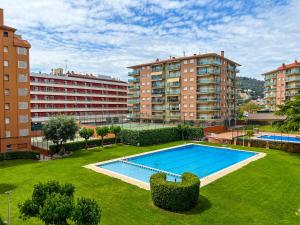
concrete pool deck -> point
(204, 181)
(258, 137)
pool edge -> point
(203, 181)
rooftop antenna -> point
(183, 53)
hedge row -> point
(77, 145)
(284, 146)
(18, 155)
(158, 136)
(175, 196)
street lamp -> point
(8, 208)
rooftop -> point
(284, 67)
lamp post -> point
(8, 208)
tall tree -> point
(116, 131)
(86, 133)
(60, 129)
(291, 109)
(250, 107)
(102, 132)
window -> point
(185, 62)
(5, 63)
(191, 114)
(191, 97)
(185, 88)
(5, 34)
(192, 79)
(24, 132)
(185, 105)
(22, 64)
(22, 51)
(6, 77)
(191, 70)
(7, 120)
(6, 92)
(23, 91)
(191, 106)
(22, 78)
(185, 70)
(7, 134)
(185, 114)
(191, 60)
(8, 147)
(23, 105)
(185, 79)
(5, 49)
(23, 118)
(185, 96)
(6, 106)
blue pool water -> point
(198, 159)
(280, 138)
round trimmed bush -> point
(175, 196)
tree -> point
(86, 133)
(59, 130)
(116, 131)
(250, 107)
(57, 209)
(86, 211)
(291, 109)
(183, 129)
(53, 203)
(102, 132)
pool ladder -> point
(150, 168)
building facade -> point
(282, 84)
(87, 98)
(14, 85)
(198, 88)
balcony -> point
(158, 116)
(292, 79)
(292, 71)
(134, 94)
(156, 69)
(205, 62)
(157, 101)
(292, 94)
(158, 108)
(158, 85)
(202, 117)
(174, 116)
(174, 74)
(173, 92)
(209, 91)
(157, 77)
(133, 101)
(134, 87)
(174, 67)
(173, 84)
(155, 92)
(134, 108)
(134, 72)
(205, 100)
(173, 100)
(134, 80)
(270, 96)
(208, 71)
(209, 81)
(174, 108)
(209, 108)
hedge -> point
(77, 145)
(158, 136)
(18, 155)
(175, 196)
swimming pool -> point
(204, 161)
(280, 138)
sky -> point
(106, 36)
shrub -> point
(250, 133)
(175, 196)
(86, 212)
(18, 155)
(195, 133)
(2, 222)
(77, 145)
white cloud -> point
(104, 36)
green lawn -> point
(265, 192)
(267, 128)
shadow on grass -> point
(6, 187)
(203, 205)
(16, 162)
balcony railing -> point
(173, 92)
(173, 67)
(207, 71)
(158, 101)
(292, 79)
(208, 100)
(208, 62)
(131, 101)
(209, 90)
(158, 85)
(155, 92)
(173, 84)
(157, 77)
(134, 72)
(134, 80)
(209, 81)
(209, 108)
(292, 71)
(174, 108)
(209, 117)
(158, 108)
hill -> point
(251, 83)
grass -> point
(267, 128)
(264, 192)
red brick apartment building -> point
(14, 87)
(84, 96)
(282, 84)
(199, 88)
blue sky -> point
(106, 36)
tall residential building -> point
(14, 87)
(198, 88)
(86, 97)
(282, 84)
